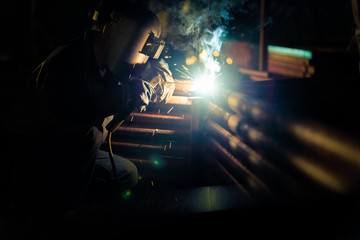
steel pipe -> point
(326, 168)
(184, 87)
(180, 100)
(183, 120)
(151, 133)
(236, 166)
(308, 133)
(159, 117)
(267, 169)
(169, 148)
(236, 144)
(218, 167)
(241, 126)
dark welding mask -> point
(133, 38)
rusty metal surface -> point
(161, 133)
(237, 168)
(151, 132)
(160, 119)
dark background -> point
(32, 29)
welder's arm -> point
(158, 74)
(120, 98)
(138, 93)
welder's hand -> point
(138, 93)
(157, 73)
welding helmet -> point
(133, 36)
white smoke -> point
(186, 27)
(210, 43)
(200, 25)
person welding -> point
(73, 96)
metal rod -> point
(138, 146)
(255, 160)
(257, 110)
(158, 117)
(308, 133)
(183, 120)
(180, 100)
(319, 153)
(151, 131)
(236, 144)
(141, 149)
(226, 174)
(236, 166)
(184, 87)
(239, 125)
(152, 134)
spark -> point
(187, 70)
(184, 74)
(170, 110)
(204, 80)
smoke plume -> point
(191, 23)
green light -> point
(126, 194)
(157, 161)
(290, 51)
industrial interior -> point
(261, 132)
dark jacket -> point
(63, 121)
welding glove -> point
(157, 73)
(138, 93)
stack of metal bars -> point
(267, 153)
(157, 140)
(290, 62)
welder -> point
(73, 95)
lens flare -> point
(126, 194)
(157, 161)
(190, 60)
(229, 61)
(216, 54)
(205, 84)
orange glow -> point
(203, 56)
(216, 54)
(229, 61)
(190, 60)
